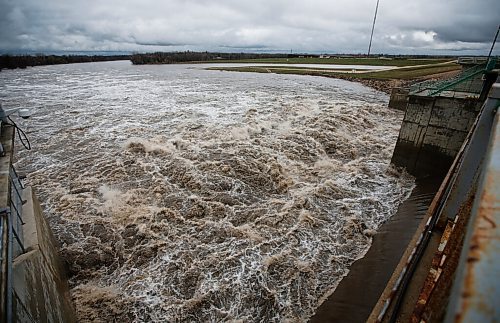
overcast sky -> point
(457, 27)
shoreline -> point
(386, 85)
(383, 81)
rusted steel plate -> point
(480, 285)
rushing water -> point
(181, 194)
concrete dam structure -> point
(438, 117)
(34, 286)
(447, 271)
(450, 136)
(432, 133)
(449, 140)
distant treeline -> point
(188, 56)
(23, 61)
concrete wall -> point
(432, 133)
(399, 98)
(41, 292)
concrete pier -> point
(432, 133)
(448, 271)
(399, 98)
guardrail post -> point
(7, 258)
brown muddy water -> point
(357, 294)
(181, 194)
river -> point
(183, 194)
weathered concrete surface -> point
(399, 98)
(41, 292)
(7, 141)
(432, 133)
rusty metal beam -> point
(476, 291)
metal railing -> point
(11, 241)
(472, 60)
(16, 208)
(466, 81)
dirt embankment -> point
(386, 85)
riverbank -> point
(386, 85)
(24, 61)
(211, 57)
(382, 80)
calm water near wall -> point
(181, 194)
(358, 293)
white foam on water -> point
(179, 194)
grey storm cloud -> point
(424, 26)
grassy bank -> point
(339, 61)
(381, 80)
(24, 61)
(411, 73)
(404, 74)
(214, 57)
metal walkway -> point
(468, 81)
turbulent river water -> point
(181, 194)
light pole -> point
(493, 44)
(373, 28)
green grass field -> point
(339, 61)
(410, 73)
(406, 73)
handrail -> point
(431, 88)
(452, 82)
(5, 268)
(16, 206)
(11, 226)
